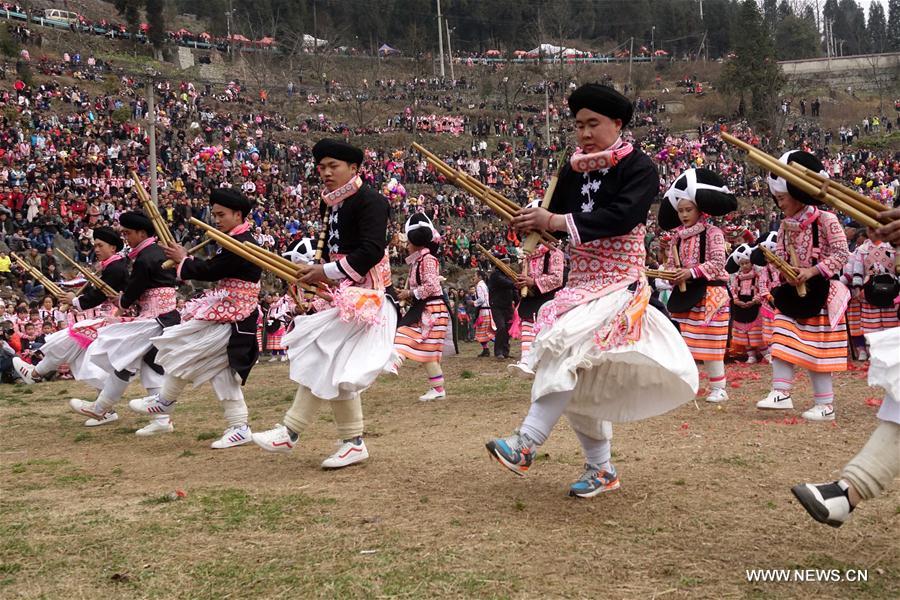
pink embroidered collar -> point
(600, 161)
(238, 230)
(132, 254)
(695, 229)
(802, 219)
(110, 260)
(334, 198)
(418, 254)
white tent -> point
(313, 42)
(549, 50)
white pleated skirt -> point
(884, 370)
(337, 359)
(634, 381)
(122, 346)
(194, 350)
(61, 348)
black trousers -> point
(503, 316)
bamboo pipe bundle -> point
(795, 262)
(170, 264)
(502, 206)
(785, 268)
(94, 280)
(320, 244)
(53, 289)
(159, 224)
(258, 256)
(501, 266)
(534, 238)
(839, 197)
(682, 287)
(661, 274)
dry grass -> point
(706, 495)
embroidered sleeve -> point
(430, 282)
(734, 285)
(553, 278)
(714, 267)
(481, 295)
(670, 256)
(835, 252)
(762, 284)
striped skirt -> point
(706, 341)
(484, 326)
(424, 341)
(273, 340)
(873, 318)
(854, 316)
(767, 318)
(526, 334)
(748, 335)
(811, 343)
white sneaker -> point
(273, 359)
(110, 417)
(276, 439)
(348, 453)
(863, 355)
(283, 358)
(819, 412)
(85, 408)
(432, 394)
(24, 370)
(233, 436)
(717, 395)
(521, 369)
(751, 359)
(157, 425)
(825, 502)
(151, 405)
(776, 400)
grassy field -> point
(705, 495)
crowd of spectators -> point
(67, 151)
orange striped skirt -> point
(706, 341)
(484, 326)
(424, 341)
(748, 335)
(811, 343)
(873, 318)
(854, 316)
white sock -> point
(112, 391)
(172, 388)
(823, 388)
(543, 415)
(715, 369)
(782, 376)
(236, 413)
(596, 452)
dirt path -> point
(705, 495)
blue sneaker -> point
(593, 481)
(515, 452)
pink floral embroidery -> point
(156, 301)
(357, 304)
(231, 301)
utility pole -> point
(652, 42)
(701, 10)
(228, 14)
(151, 116)
(630, 60)
(315, 30)
(449, 48)
(547, 109)
(440, 37)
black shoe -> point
(484, 353)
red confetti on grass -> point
(874, 402)
(685, 425)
